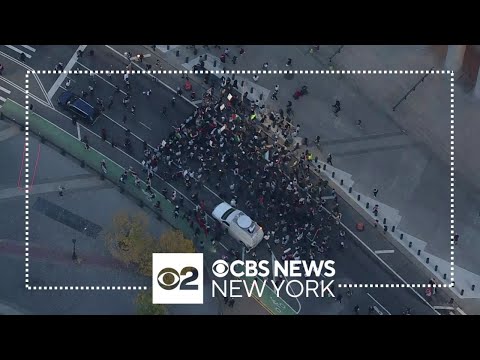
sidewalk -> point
(8, 310)
(92, 158)
(244, 306)
(413, 176)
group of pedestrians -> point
(220, 145)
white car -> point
(240, 226)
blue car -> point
(76, 105)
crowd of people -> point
(220, 144)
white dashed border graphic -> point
(242, 72)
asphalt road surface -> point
(148, 123)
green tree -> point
(145, 306)
(171, 241)
(128, 239)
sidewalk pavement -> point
(8, 310)
(244, 306)
(403, 153)
(92, 158)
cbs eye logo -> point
(220, 268)
(177, 278)
(169, 278)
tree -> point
(145, 306)
(128, 239)
(173, 241)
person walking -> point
(336, 107)
(289, 62)
(61, 188)
(356, 309)
(329, 159)
(103, 165)
(275, 93)
(375, 192)
(110, 102)
(123, 176)
(455, 239)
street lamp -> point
(74, 254)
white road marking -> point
(64, 73)
(124, 128)
(108, 82)
(5, 90)
(331, 197)
(444, 308)
(144, 125)
(384, 251)
(18, 51)
(383, 307)
(29, 48)
(461, 311)
(152, 76)
(383, 262)
(206, 187)
(2, 99)
(196, 102)
(44, 103)
(145, 56)
(35, 75)
(78, 132)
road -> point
(354, 265)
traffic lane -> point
(117, 154)
(174, 81)
(96, 140)
(103, 59)
(47, 57)
(364, 268)
(348, 267)
(148, 119)
(158, 63)
(15, 73)
(16, 93)
(402, 265)
(13, 70)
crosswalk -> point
(17, 50)
(246, 84)
(165, 48)
(3, 94)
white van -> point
(240, 226)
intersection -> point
(148, 123)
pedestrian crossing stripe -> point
(5, 90)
